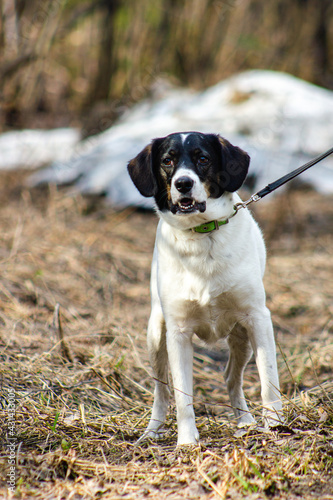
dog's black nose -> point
(184, 184)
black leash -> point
(213, 225)
(279, 182)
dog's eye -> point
(167, 162)
(203, 160)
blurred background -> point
(82, 63)
(75, 261)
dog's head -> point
(187, 171)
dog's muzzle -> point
(185, 200)
(188, 206)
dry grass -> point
(82, 385)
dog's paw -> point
(246, 420)
(273, 419)
(187, 442)
(245, 424)
(154, 434)
(187, 437)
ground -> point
(76, 388)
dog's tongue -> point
(186, 202)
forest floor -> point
(76, 388)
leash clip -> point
(255, 197)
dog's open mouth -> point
(188, 205)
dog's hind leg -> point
(240, 353)
(260, 330)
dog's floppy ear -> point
(140, 170)
(235, 165)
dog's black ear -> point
(235, 165)
(140, 170)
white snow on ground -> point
(280, 120)
(30, 149)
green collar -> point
(208, 227)
(214, 225)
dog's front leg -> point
(262, 339)
(180, 351)
(156, 340)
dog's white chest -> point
(193, 280)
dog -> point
(206, 276)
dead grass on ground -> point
(74, 305)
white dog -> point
(206, 275)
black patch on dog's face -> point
(219, 165)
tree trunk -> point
(100, 89)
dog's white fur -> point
(209, 285)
